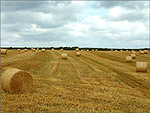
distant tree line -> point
(73, 48)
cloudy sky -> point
(75, 23)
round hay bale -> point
(16, 81)
(146, 51)
(133, 56)
(61, 49)
(128, 59)
(141, 66)
(87, 50)
(25, 50)
(64, 56)
(34, 50)
(4, 51)
(82, 50)
(78, 54)
(19, 50)
(43, 50)
(116, 50)
(77, 49)
(141, 52)
(127, 50)
(92, 49)
(121, 50)
(53, 50)
(133, 52)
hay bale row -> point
(16, 81)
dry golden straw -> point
(128, 59)
(78, 54)
(16, 81)
(141, 66)
(64, 56)
(133, 56)
(4, 51)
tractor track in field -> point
(93, 71)
(132, 82)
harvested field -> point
(94, 82)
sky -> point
(95, 24)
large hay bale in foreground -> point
(43, 50)
(141, 66)
(64, 56)
(4, 51)
(128, 59)
(133, 56)
(16, 81)
(78, 54)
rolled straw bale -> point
(25, 50)
(146, 51)
(82, 50)
(141, 66)
(78, 54)
(43, 50)
(77, 49)
(133, 56)
(133, 52)
(4, 51)
(19, 50)
(52, 49)
(127, 50)
(92, 49)
(34, 50)
(116, 50)
(121, 50)
(16, 81)
(87, 50)
(64, 56)
(141, 52)
(61, 49)
(128, 59)
(96, 50)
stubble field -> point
(94, 82)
